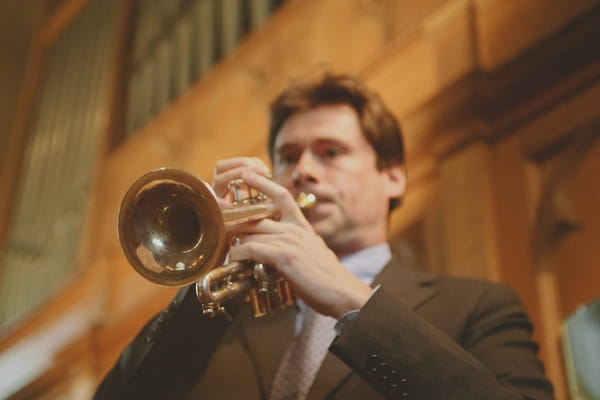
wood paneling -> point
(487, 92)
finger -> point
(221, 181)
(280, 196)
(230, 169)
(236, 162)
(223, 202)
(267, 238)
(258, 252)
(264, 226)
(272, 253)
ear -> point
(395, 180)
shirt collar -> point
(367, 263)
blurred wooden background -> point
(499, 101)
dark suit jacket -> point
(419, 337)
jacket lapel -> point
(414, 287)
(411, 285)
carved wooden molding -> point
(493, 104)
(554, 221)
(555, 218)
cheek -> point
(283, 178)
(352, 195)
(368, 195)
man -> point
(393, 331)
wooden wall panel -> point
(506, 29)
(224, 115)
(457, 73)
(467, 214)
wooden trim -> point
(59, 20)
(494, 103)
(74, 291)
(551, 224)
(63, 378)
(551, 328)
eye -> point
(331, 152)
(286, 160)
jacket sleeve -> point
(168, 355)
(404, 356)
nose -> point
(306, 170)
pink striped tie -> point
(303, 358)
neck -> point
(342, 251)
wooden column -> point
(466, 201)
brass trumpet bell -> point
(171, 227)
(174, 232)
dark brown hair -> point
(377, 123)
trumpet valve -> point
(244, 194)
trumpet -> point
(174, 232)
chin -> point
(326, 230)
(325, 223)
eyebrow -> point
(285, 147)
(323, 141)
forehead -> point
(338, 123)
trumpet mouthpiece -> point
(306, 200)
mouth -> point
(320, 209)
(325, 203)
(320, 195)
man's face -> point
(323, 151)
